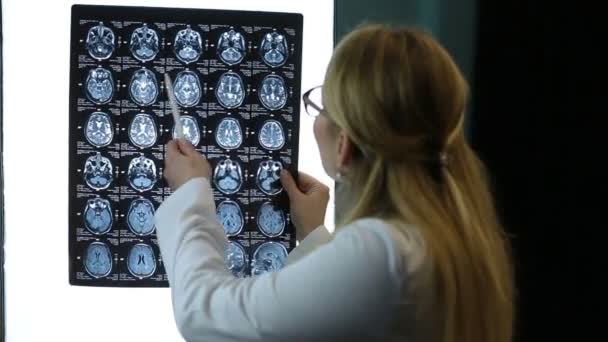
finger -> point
(207, 166)
(186, 147)
(307, 182)
(172, 150)
(289, 184)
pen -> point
(174, 109)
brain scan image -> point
(271, 220)
(100, 41)
(230, 91)
(141, 261)
(98, 129)
(142, 173)
(98, 260)
(228, 176)
(268, 257)
(188, 45)
(98, 172)
(190, 130)
(187, 88)
(231, 47)
(144, 43)
(229, 134)
(236, 259)
(143, 88)
(141, 216)
(272, 93)
(99, 85)
(98, 216)
(268, 177)
(274, 49)
(142, 131)
(271, 135)
(231, 217)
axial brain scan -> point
(274, 49)
(229, 134)
(228, 176)
(188, 45)
(142, 173)
(187, 89)
(141, 261)
(271, 220)
(268, 177)
(98, 216)
(100, 41)
(98, 172)
(271, 135)
(230, 90)
(99, 85)
(236, 259)
(141, 216)
(190, 130)
(143, 88)
(98, 129)
(230, 215)
(268, 257)
(142, 131)
(272, 92)
(231, 47)
(144, 43)
(98, 259)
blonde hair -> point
(401, 99)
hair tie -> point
(443, 158)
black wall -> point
(538, 124)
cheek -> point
(321, 129)
(316, 129)
(321, 132)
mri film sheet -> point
(236, 78)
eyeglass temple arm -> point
(309, 102)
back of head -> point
(401, 99)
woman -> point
(418, 254)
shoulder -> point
(398, 244)
(401, 237)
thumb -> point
(172, 151)
(186, 147)
(289, 184)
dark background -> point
(535, 118)
(536, 121)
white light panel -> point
(40, 303)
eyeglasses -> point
(312, 101)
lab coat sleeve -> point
(316, 238)
(342, 288)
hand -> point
(183, 163)
(308, 202)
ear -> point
(346, 150)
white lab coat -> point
(356, 286)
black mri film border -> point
(113, 16)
